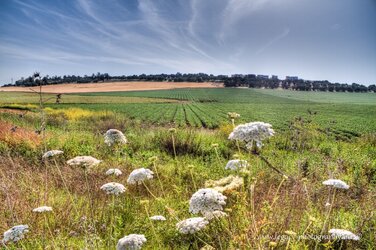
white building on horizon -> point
(262, 77)
(292, 78)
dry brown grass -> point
(14, 135)
(114, 86)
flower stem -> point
(66, 188)
(90, 202)
(275, 198)
(193, 180)
(46, 185)
(288, 244)
(173, 145)
(236, 141)
(152, 226)
(198, 238)
(149, 190)
(217, 154)
(47, 225)
(327, 217)
(271, 166)
(111, 222)
(159, 180)
(252, 189)
(305, 230)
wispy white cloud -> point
(56, 56)
(92, 37)
(237, 10)
(272, 41)
(38, 8)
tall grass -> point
(259, 213)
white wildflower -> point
(51, 153)
(252, 132)
(206, 200)
(42, 209)
(336, 183)
(343, 234)
(83, 161)
(225, 184)
(131, 242)
(15, 234)
(214, 215)
(207, 247)
(290, 233)
(158, 217)
(114, 171)
(113, 188)
(172, 130)
(191, 225)
(114, 136)
(233, 115)
(139, 175)
(236, 164)
(327, 204)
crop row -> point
(250, 104)
(180, 114)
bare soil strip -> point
(113, 86)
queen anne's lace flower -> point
(51, 153)
(225, 184)
(290, 233)
(233, 115)
(172, 130)
(114, 136)
(83, 161)
(113, 188)
(214, 215)
(139, 175)
(191, 225)
(206, 200)
(114, 171)
(131, 242)
(252, 132)
(236, 164)
(336, 183)
(15, 234)
(158, 217)
(343, 234)
(42, 209)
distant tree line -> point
(105, 77)
(249, 80)
(252, 81)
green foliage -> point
(338, 113)
(344, 115)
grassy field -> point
(208, 107)
(247, 95)
(323, 97)
(335, 139)
(341, 112)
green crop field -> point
(247, 95)
(345, 112)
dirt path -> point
(114, 86)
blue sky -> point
(320, 39)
